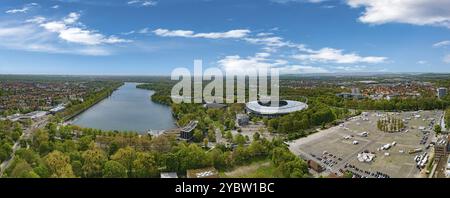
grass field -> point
(262, 169)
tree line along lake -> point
(127, 109)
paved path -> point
(26, 135)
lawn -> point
(262, 169)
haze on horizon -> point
(152, 37)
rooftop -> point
(203, 173)
(284, 107)
(169, 175)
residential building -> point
(441, 92)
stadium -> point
(267, 110)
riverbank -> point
(128, 109)
(78, 109)
(161, 95)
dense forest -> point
(69, 151)
(10, 132)
(162, 91)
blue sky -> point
(152, 37)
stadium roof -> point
(289, 106)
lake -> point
(127, 109)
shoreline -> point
(71, 120)
(71, 117)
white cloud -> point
(272, 44)
(297, 1)
(422, 62)
(306, 60)
(264, 34)
(240, 33)
(330, 55)
(67, 31)
(442, 44)
(143, 3)
(72, 18)
(299, 69)
(30, 37)
(25, 9)
(238, 65)
(144, 31)
(40, 34)
(274, 41)
(55, 6)
(352, 68)
(37, 19)
(447, 59)
(128, 33)
(417, 12)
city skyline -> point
(143, 37)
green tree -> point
(205, 142)
(240, 139)
(30, 156)
(3, 155)
(198, 135)
(85, 142)
(218, 158)
(229, 136)
(93, 161)
(256, 136)
(114, 169)
(161, 144)
(40, 137)
(23, 170)
(59, 165)
(191, 156)
(126, 157)
(42, 171)
(438, 129)
(77, 168)
(15, 135)
(145, 165)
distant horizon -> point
(168, 75)
(295, 36)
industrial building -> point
(57, 109)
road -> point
(443, 126)
(26, 135)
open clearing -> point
(263, 169)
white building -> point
(441, 92)
(36, 115)
(282, 108)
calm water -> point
(127, 109)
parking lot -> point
(337, 149)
